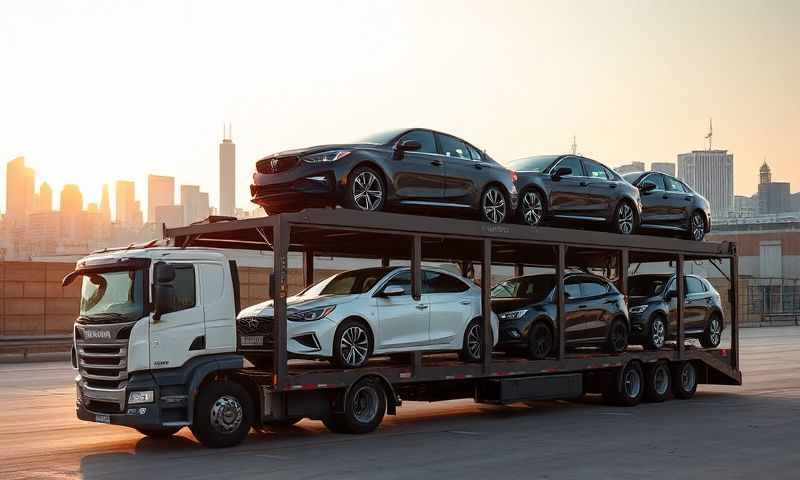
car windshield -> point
(535, 287)
(113, 294)
(537, 163)
(647, 285)
(632, 177)
(347, 283)
(382, 138)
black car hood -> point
(502, 305)
(322, 148)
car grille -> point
(252, 328)
(276, 164)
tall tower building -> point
(19, 191)
(194, 202)
(227, 175)
(710, 173)
(105, 205)
(160, 193)
(44, 200)
(128, 213)
(71, 199)
(764, 174)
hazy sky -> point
(92, 92)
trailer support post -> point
(560, 269)
(280, 248)
(486, 305)
(519, 269)
(735, 310)
(622, 273)
(308, 267)
(416, 268)
(385, 261)
(681, 299)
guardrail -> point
(41, 344)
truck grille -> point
(103, 355)
(276, 164)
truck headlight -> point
(638, 309)
(326, 157)
(144, 396)
(513, 315)
(310, 315)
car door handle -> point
(581, 307)
(436, 163)
(583, 184)
(613, 185)
(465, 302)
(421, 307)
(478, 166)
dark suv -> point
(653, 307)
(595, 314)
(399, 169)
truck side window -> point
(185, 289)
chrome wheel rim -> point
(365, 404)
(661, 380)
(532, 208)
(494, 205)
(633, 383)
(354, 346)
(698, 227)
(474, 341)
(715, 331)
(687, 377)
(367, 191)
(226, 414)
(658, 333)
(625, 219)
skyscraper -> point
(44, 200)
(764, 173)
(227, 175)
(19, 191)
(710, 173)
(105, 205)
(194, 202)
(663, 167)
(128, 213)
(160, 192)
(71, 199)
(773, 197)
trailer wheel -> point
(223, 414)
(657, 378)
(626, 386)
(364, 408)
(163, 432)
(684, 380)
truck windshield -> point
(534, 287)
(113, 295)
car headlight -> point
(144, 396)
(638, 309)
(326, 157)
(310, 315)
(513, 315)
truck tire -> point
(223, 414)
(629, 386)
(163, 432)
(657, 382)
(684, 380)
(364, 408)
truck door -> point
(219, 308)
(177, 335)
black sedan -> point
(595, 314)
(669, 204)
(403, 169)
(653, 310)
(574, 188)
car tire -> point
(628, 388)
(656, 332)
(352, 344)
(472, 345)
(494, 205)
(364, 408)
(712, 335)
(684, 380)
(617, 340)
(532, 208)
(223, 414)
(625, 221)
(162, 432)
(697, 227)
(657, 382)
(540, 340)
(366, 190)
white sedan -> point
(356, 314)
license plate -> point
(252, 340)
(102, 418)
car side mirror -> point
(393, 291)
(647, 187)
(561, 172)
(405, 146)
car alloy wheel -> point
(532, 208)
(354, 346)
(474, 340)
(226, 414)
(541, 341)
(494, 205)
(625, 219)
(657, 332)
(367, 191)
(617, 336)
(715, 330)
(698, 227)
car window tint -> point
(572, 288)
(402, 279)
(593, 288)
(424, 137)
(453, 147)
(475, 154)
(694, 285)
(673, 185)
(657, 179)
(595, 170)
(573, 163)
(437, 282)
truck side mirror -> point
(163, 290)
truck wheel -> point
(364, 408)
(684, 380)
(630, 387)
(713, 332)
(472, 345)
(617, 340)
(163, 432)
(223, 414)
(657, 378)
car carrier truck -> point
(157, 349)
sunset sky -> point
(93, 92)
